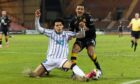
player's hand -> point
(83, 25)
(5, 23)
(128, 26)
(37, 13)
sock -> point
(135, 47)
(6, 39)
(0, 42)
(78, 71)
(94, 58)
(74, 58)
(132, 43)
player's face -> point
(58, 26)
(136, 15)
(3, 13)
(80, 10)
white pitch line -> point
(131, 82)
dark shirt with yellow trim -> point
(88, 19)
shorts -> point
(85, 42)
(4, 30)
(50, 64)
(135, 34)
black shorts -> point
(4, 30)
(85, 42)
(135, 34)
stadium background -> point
(107, 13)
(119, 63)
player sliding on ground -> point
(57, 49)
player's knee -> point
(76, 49)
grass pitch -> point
(117, 59)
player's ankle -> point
(7, 44)
(31, 74)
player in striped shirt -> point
(57, 49)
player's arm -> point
(38, 27)
(8, 21)
(130, 24)
(37, 24)
(90, 24)
(80, 34)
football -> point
(98, 74)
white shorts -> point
(50, 64)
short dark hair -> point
(80, 5)
(58, 20)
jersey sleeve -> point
(71, 34)
(42, 30)
(131, 22)
(90, 23)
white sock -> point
(78, 71)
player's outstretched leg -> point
(38, 72)
(78, 74)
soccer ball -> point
(98, 74)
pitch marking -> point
(131, 82)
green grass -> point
(118, 61)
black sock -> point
(0, 42)
(135, 47)
(97, 64)
(132, 43)
(94, 59)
